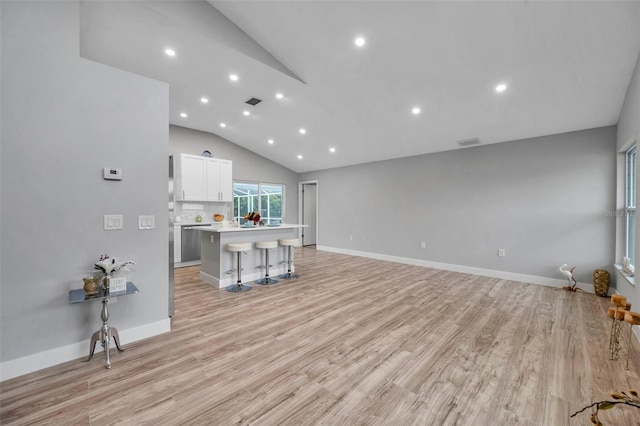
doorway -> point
(308, 196)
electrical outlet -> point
(502, 252)
(350, 237)
(423, 244)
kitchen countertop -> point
(252, 229)
(195, 223)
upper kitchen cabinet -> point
(219, 180)
(203, 179)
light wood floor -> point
(354, 341)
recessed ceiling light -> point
(302, 131)
(270, 141)
(415, 111)
(233, 77)
(360, 41)
(183, 115)
(223, 125)
(204, 100)
(332, 150)
(170, 52)
(299, 157)
(279, 96)
(247, 113)
(501, 87)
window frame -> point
(630, 192)
(259, 196)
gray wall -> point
(64, 119)
(629, 132)
(543, 200)
(247, 166)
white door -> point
(309, 211)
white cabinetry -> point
(203, 179)
(191, 178)
(219, 180)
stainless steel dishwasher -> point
(190, 243)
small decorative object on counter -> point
(252, 216)
(218, 217)
(199, 218)
(91, 285)
(601, 279)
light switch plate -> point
(146, 222)
(113, 222)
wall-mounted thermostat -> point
(112, 174)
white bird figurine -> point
(569, 275)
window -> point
(266, 198)
(630, 204)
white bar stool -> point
(239, 248)
(289, 243)
(266, 245)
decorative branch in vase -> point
(621, 398)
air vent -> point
(469, 142)
(253, 101)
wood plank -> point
(353, 341)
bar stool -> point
(266, 245)
(238, 248)
(631, 318)
(289, 243)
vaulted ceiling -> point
(566, 66)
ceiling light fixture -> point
(501, 87)
(246, 113)
(223, 125)
(170, 52)
(270, 141)
(204, 100)
(360, 41)
(279, 96)
(415, 111)
(332, 150)
(299, 157)
(183, 115)
(303, 131)
(233, 77)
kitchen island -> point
(217, 262)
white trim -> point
(300, 197)
(28, 364)
(512, 276)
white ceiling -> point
(567, 66)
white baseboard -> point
(28, 364)
(512, 276)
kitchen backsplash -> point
(187, 212)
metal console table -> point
(106, 332)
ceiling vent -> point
(469, 142)
(253, 101)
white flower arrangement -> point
(108, 265)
